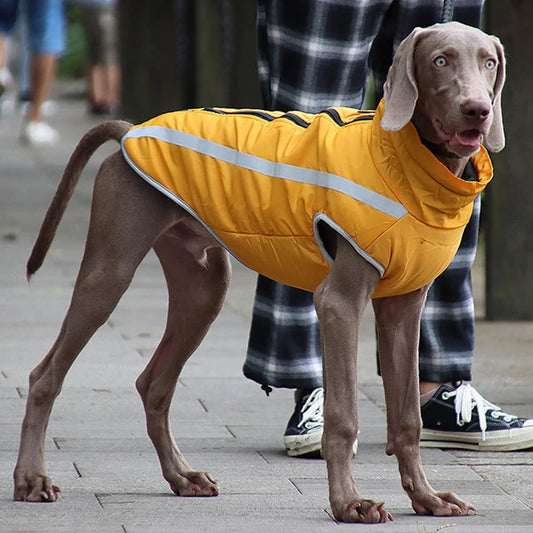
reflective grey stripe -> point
(161, 188)
(270, 168)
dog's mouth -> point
(459, 141)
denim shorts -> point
(45, 23)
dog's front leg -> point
(340, 301)
(398, 320)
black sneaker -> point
(459, 417)
(303, 436)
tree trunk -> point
(509, 203)
(184, 53)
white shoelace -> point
(313, 410)
(466, 399)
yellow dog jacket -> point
(264, 182)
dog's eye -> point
(440, 61)
(490, 64)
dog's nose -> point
(475, 109)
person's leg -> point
(453, 287)
(448, 323)
(8, 17)
(5, 76)
(109, 57)
(103, 72)
(312, 55)
(3, 50)
(447, 328)
(284, 343)
(46, 41)
(42, 75)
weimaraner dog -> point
(442, 100)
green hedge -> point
(72, 62)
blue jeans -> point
(45, 20)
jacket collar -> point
(421, 182)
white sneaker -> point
(459, 417)
(39, 134)
(303, 436)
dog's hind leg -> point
(197, 278)
(108, 265)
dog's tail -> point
(94, 138)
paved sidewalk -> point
(97, 448)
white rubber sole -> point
(506, 440)
(298, 445)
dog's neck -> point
(453, 162)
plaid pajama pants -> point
(315, 54)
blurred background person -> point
(46, 41)
(99, 19)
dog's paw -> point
(365, 511)
(35, 488)
(443, 504)
(194, 484)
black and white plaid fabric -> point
(315, 54)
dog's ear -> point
(400, 90)
(495, 139)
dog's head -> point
(448, 78)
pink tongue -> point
(469, 138)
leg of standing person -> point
(5, 75)
(8, 17)
(312, 55)
(103, 71)
(46, 41)
(448, 321)
(284, 39)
